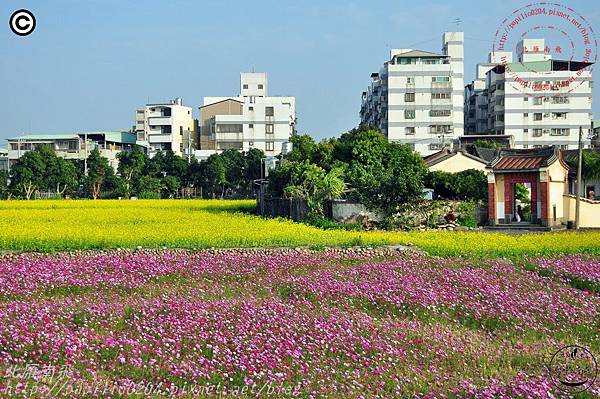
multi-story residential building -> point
(251, 120)
(476, 104)
(166, 126)
(3, 159)
(537, 100)
(417, 97)
(74, 145)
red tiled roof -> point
(519, 163)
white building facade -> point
(536, 100)
(251, 120)
(166, 126)
(417, 98)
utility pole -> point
(578, 183)
(85, 170)
(189, 143)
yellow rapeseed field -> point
(86, 224)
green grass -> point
(56, 225)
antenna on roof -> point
(457, 22)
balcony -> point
(441, 85)
(160, 120)
(229, 136)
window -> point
(409, 114)
(166, 112)
(251, 108)
(245, 86)
(537, 132)
(439, 129)
(409, 97)
(440, 96)
(440, 79)
(269, 146)
(269, 128)
(260, 87)
(537, 116)
(439, 112)
(559, 115)
(165, 129)
(430, 61)
(525, 130)
(560, 100)
(525, 115)
(526, 98)
(251, 143)
(181, 130)
(435, 146)
(251, 126)
(409, 130)
(410, 80)
(559, 132)
(269, 111)
(537, 101)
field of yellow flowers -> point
(49, 226)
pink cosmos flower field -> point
(289, 323)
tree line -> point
(362, 165)
(230, 174)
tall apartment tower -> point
(166, 126)
(253, 119)
(537, 100)
(417, 97)
(476, 104)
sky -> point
(89, 64)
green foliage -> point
(100, 175)
(311, 182)
(386, 175)
(150, 184)
(4, 192)
(170, 185)
(590, 164)
(467, 214)
(469, 184)
(27, 174)
(487, 144)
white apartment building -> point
(536, 100)
(251, 120)
(166, 126)
(417, 97)
(75, 146)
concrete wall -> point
(589, 211)
(351, 212)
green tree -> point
(311, 182)
(132, 165)
(169, 186)
(487, 144)
(395, 180)
(150, 187)
(303, 148)
(471, 184)
(4, 179)
(100, 174)
(27, 174)
(61, 175)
